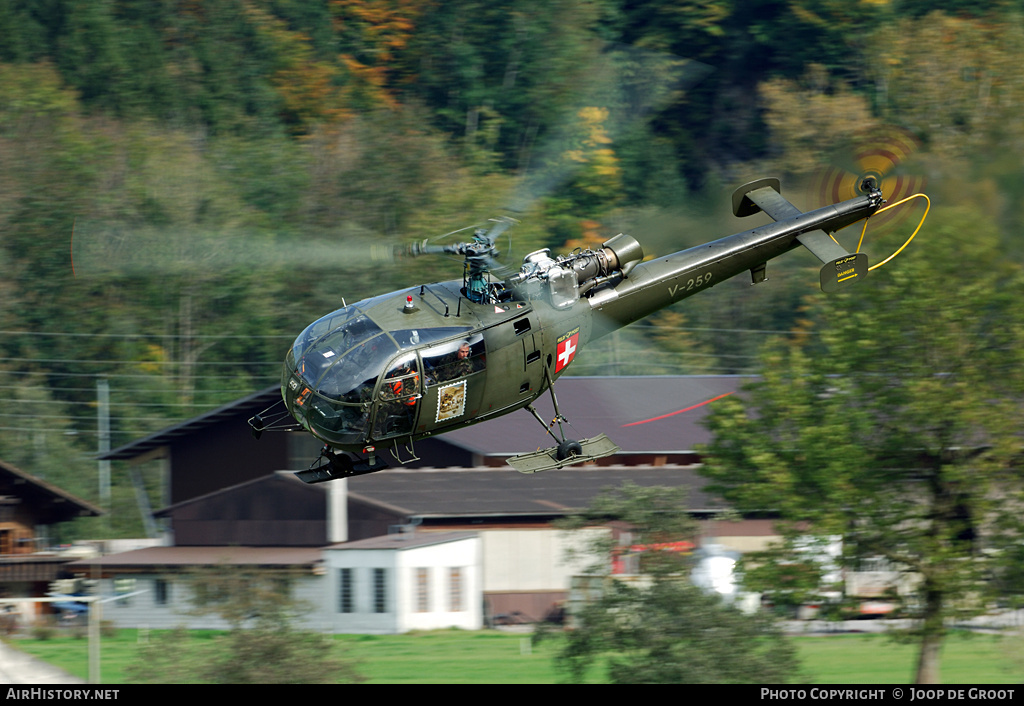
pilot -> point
(461, 363)
(398, 406)
(394, 389)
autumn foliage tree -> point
(898, 431)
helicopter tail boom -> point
(840, 267)
(658, 283)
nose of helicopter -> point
(329, 389)
(332, 420)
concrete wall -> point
(534, 560)
(145, 609)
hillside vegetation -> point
(185, 185)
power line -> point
(122, 390)
(69, 361)
(638, 325)
(80, 432)
(63, 334)
(211, 405)
(79, 417)
(721, 330)
(127, 376)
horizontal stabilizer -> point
(546, 459)
(822, 245)
(841, 268)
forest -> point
(185, 184)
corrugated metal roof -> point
(642, 414)
(483, 492)
(492, 491)
(258, 401)
(278, 476)
(204, 556)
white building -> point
(405, 581)
(390, 584)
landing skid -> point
(568, 452)
(332, 466)
(548, 459)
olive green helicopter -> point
(383, 373)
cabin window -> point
(408, 338)
(337, 332)
(453, 360)
(401, 380)
(398, 396)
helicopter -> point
(385, 372)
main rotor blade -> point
(120, 249)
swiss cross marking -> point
(566, 351)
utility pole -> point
(103, 427)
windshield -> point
(346, 328)
(349, 377)
(330, 373)
(331, 392)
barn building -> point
(398, 549)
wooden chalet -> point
(29, 507)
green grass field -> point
(875, 659)
(492, 657)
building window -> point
(422, 590)
(124, 588)
(161, 591)
(380, 590)
(346, 600)
(455, 590)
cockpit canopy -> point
(335, 366)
